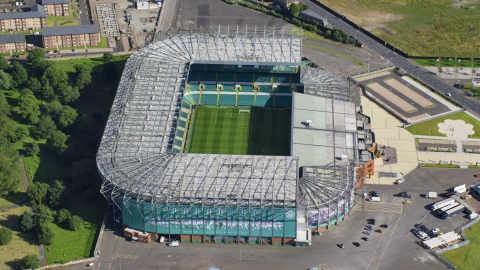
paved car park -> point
(395, 247)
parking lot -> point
(394, 248)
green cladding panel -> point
(210, 220)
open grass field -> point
(429, 28)
(430, 127)
(467, 257)
(240, 131)
(448, 63)
(73, 245)
(22, 243)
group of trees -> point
(42, 196)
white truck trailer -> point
(442, 204)
(431, 195)
(445, 208)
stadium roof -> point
(135, 156)
(70, 30)
(38, 11)
(324, 130)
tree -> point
(32, 149)
(55, 77)
(4, 106)
(109, 72)
(10, 172)
(30, 261)
(68, 94)
(55, 194)
(4, 64)
(46, 127)
(53, 108)
(26, 222)
(21, 132)
(82, 171)
(19, 74)
(29, 108)
(66, 116)
(302, 6)
(37, 193)
(63, 216)
(107, 57)
(88, 195)
(43, 215)
(35, 56)
(5, 80)
(294, 10)
(76, 223)
(5, 236)
(35, 85)
(45, 234)
(84, 76)
(58, 141)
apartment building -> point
(12, 43)
(56, 7)
(22, 21)
(71, 36)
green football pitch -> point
(240, 131)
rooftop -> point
(54, 2)
(38, 11)
(70, 30)
(12, 38)
(324, 130)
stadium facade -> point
(153, 184)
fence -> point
(455, 246)
(434, 117)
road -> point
(416, 71)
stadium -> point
(224, 135)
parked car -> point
(399, 181)
(174, 244)
(356, 244)
(436, 230)
(365, 238)
(341, 245)
(384, 226)
(448, 94)
(368, 232)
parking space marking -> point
(388, 242)
(387, 207)
(379, 242)
(126, 256)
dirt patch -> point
(460, 3)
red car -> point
(78, 5)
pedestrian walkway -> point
(389, 131)
(449, 73)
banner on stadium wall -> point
(210, 220)
(313, 218)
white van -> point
(374, 199)
(162, 239)
(174, 244)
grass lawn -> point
(433, 28)
(73, 245)
(427, 165)
(361, 63)
(22, 243)
(448, 63)
(51, 19)
(219, 131)
(431, 126)
(225, 130)
(67, 22)
(103, 44)
(467, 257)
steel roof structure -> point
(135, 156)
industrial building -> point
(152, 182)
